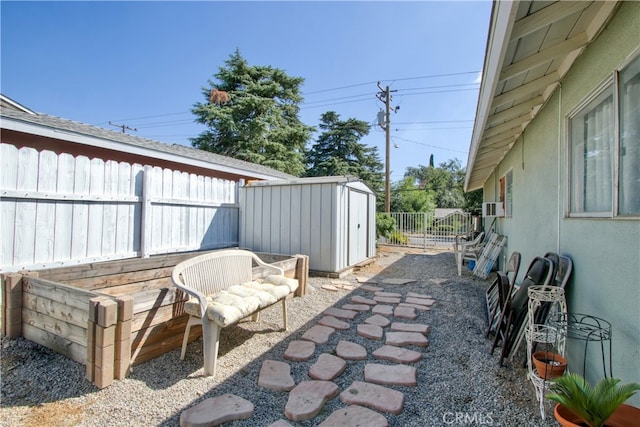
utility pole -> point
(385, 96)
(123, 127)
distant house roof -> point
(531, 46)
(62, 129)
(9, 103)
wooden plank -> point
(56, 343)
(123, 214)
(25, 216)
(45, 210)
(64, 210)
(73, 333)
(136, 287)
(153, 317)
(58, 292)
(149, 300)
(121, 278)
(152, 342)
(110, 211)
(96, 211)
(56, 310)
(545, 17)
(80, 218)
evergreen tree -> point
(338, 151)
(252, 114)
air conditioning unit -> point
(493, 209)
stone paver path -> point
(355, 415)
(373, 396)
(350, 350)
(216, 410)
(276, 375)
(318, 334)
(385, 310)
(406, 338)
(299, 351)
(340, 313)
(397, 354)
(334, 323)
(327, 368)
(307, 399)
(390, 374)
(373, 332)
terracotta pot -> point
(549, 365)
(624, 416)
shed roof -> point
(68, 130)
(337, 179)
(530, 47)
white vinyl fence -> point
(424, 229)
(57, 209)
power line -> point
(427, 145)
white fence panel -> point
(424, 229)
(60, 210)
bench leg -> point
(284, 313)
(210, 342)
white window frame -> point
(611, 82)
(508, 193)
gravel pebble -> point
(458, 382)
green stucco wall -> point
(605, 252)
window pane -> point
(592, 139)
(629, 185)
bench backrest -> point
(219, 270)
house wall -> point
(605, 252)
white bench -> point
(223, 292)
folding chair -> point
(497, 296)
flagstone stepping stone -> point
(307, 399)
(334, 323)
(420, 301)
(397, 354)
(327, 367)
(341, 313)
(379, 320)
(397, 281)
(362, 300)
(387, 300)
(416, 306)
(299, 351)
(388, 294)
(374, 332)
(365, 279)
(216, 410)
(276, 375)
(371, 288)
(406, 338)
(373, 396)
(329, 288)
(417, 295)
(354, 415)
(386, 310)
(357, 307)
(390, 374)
(403, 312)
(280, 423)
(318, 334)
(340, 283)
(350, 350)
(439, 281)
(410, 327)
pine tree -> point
(338, 151)
(252, 114)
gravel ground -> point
(459, 383)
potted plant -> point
(548, 364)
(580, 403)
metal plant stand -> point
(543, 298)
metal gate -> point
(425, 229)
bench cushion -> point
(239, 301)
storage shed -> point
(330, 219)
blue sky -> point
(144, 64)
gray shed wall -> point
(308, 218)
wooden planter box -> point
(110, 315)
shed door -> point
(357, 245)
